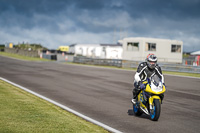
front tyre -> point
(136, 110)
(155, 112)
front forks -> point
(151, 104)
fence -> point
(192, 60)
(49, 56)
(106, 62)
(65, 57)
(134, 64)
(180, 68)
(94, 61)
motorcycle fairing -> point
(149, 90)
(152, 98)
(142, 106)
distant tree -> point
(2, 46)
(28, 46)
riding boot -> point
(134, 96)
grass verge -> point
(22, 57)
(25, 113)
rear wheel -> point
(155, 112)
(136, 110)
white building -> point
(138, 48)
(111, 51)
(82, 49)
(105, 51)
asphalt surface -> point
(105, 94)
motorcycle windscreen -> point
(156, 80)
(155, 86)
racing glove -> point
(142, 86)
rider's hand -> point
(142, 86)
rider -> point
(146, 70)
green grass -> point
(22, 112)
(22, 57)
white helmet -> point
(151, 61)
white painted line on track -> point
(64, 107)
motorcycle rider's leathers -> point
(144, 72)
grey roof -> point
(96, 44)
(111, 44)
(195, 53)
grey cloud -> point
(172, 19)
(172, 9)
(91, 4)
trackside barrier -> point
(94, 61)
(49, 56)
(134, 64)
(180, 68)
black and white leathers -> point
(144, 72)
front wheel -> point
(136, 110)
(155, 112)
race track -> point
(104, 94)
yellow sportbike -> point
(150, 98)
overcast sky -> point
(62, 22)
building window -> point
(133, 46)
(175, 48)
(150, 47)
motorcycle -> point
(150, 98)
